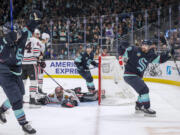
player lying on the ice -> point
(69, 97)
(137, 60)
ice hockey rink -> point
(90, 119)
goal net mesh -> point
(111, 81)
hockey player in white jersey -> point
(41, 62)
(31, 55)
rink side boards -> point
(167, 72)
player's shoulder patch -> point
(138, 54)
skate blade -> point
(2, 123)
(138, 112)
(149, 115)
(34, 106)
(25, 133)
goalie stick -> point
(172, 55)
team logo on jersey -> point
(143, 64)
(138, 54)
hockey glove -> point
(96, 65)
(67, 103)
(42, 64)
(44, 100)
(34, 20)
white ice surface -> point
(89, 119)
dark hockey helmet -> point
(146, 42)
(13, 29)
(88, 46)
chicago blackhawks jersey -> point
(32, 51)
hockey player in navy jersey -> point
(83, 62)
(137, 60)
(11, 54)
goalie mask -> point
(59, 91)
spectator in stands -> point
(104, 51)
(47, 54)
(53, 56)
(109, 36)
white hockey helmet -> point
(37, 33)
(45, 36)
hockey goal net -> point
(112, 88)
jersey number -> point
(28, 47)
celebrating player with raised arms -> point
(137, 60)
(83, 62)
(11, 54)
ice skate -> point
(149, 112)
(2, 117)
(138, 108)
(28, 130)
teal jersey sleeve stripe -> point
(29, 32)
(125, 55)
(129, 75)
(16, 73)
(156, 60)
(78, 59)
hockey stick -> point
(11, 14)
(172, 55)
(90, 69)
(51, 77)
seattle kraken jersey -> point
(137, 61)
(84, 60)
(11, 56)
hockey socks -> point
(144, 99)
(143, 105)
(6, 105)
(20, 116)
